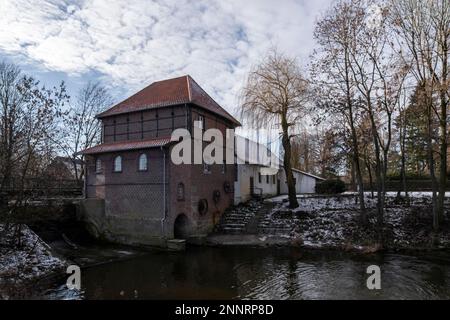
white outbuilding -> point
(258, 174)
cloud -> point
(132, 43)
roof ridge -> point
(174, 78)
(178, 90)
(124, 100)
(209, 96)
(188, 77)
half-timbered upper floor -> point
(160, 108)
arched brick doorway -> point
(181, 227)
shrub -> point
(333, 186)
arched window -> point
(143, 162)
(118, 164)
(98, 166)
(180, 192)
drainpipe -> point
(85, 177)
(163, 219)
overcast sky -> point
(128, 44)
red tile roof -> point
(127, 145)
(167, 93)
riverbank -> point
(332, 222)
(29, 265)
(24, 260)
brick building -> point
(134, 193)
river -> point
(272, 273)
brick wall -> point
(134, 200)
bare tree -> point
(275, 95)
(423, 29)
(379, 78)
(81, 129)
(401, 125)
(302, 151)
(331, 69)
(28, 117)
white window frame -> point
(117, 165)
(143, 162)
(201, 120)
(98, 165)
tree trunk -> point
(292, 193)
(403, 159)
(352, 174)
(369, 170)
(434, 186)
(379, 168)
(355, 152)
(356, 161)
(443, 140)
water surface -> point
(275, 273)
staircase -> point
(236, 219)
(270, 226)
(252, 218)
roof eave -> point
(104, 114)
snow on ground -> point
(332, 221)
(21, 265)
(308, 203)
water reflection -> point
(237, 273)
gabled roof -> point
(168, 93)
(127, 145)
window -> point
(201, 120)
(143, 162)
(98, 166)
(206, 168)
(273, 179)
(180, 192)
(267, 179)
(259, 177)
(118, 164)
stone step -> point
(236, 218)
(231, 227)
(274, 231)
(232, 231)
(274, 228)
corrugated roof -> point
(167, 93)
(126, 145)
